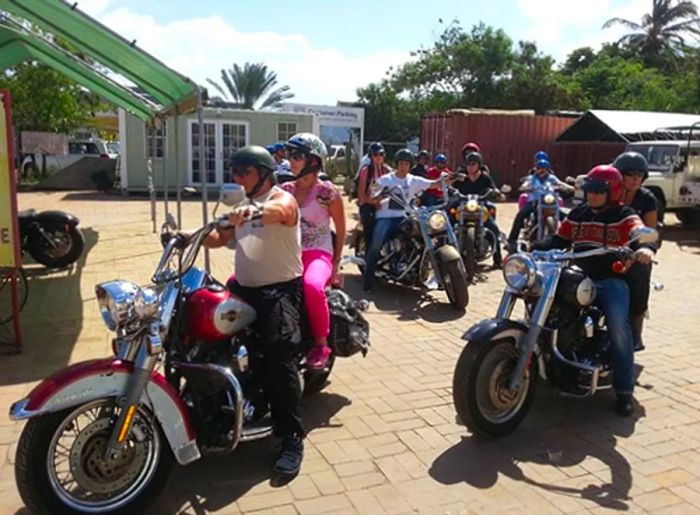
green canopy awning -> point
(159, 90)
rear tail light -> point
(104, 156)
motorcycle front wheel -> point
(60, 466)
(65, 248)
(455, 281)
(480, 388)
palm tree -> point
(248, 85)
(660, 37)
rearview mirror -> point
(570, 180)
(506, 188)
(170, 222)
(644, 235)
(231, 194)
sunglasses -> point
(596, 191)
(634, 173)
(240, 172)
(473, 163)
(375, 154)
(297, 155)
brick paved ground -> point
(383, 435)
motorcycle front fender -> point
(57, 217)
(97, 379)
(447, 253)
(494, 329)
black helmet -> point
(404, 155)
(474, 157)
(376, 148)
(424, 153)
(259, 157)
(632, 162)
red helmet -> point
(468, 148)
(605, 178)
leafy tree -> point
(252, 85)
(661, 36)
(45, 100)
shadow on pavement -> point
(407, 303)
(51, 320)
(217, 481)
(546, 438)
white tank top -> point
(267, 254)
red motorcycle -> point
(103, 435)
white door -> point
(221, 140)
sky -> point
(325, 50)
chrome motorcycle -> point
(102, 435)
(563, 339)
(423, 253)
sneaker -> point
(317, 358)
(624, 406)
(289, 461)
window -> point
(83, 148)
(286, 130)
(155, 142)
(233, 138)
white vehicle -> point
(77, 149)
(674, 176)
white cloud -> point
(201, 47)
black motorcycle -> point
(52, 238)
(563, 339)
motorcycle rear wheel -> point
(479, 388)
(84, 483)
(69, 246)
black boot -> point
(637, 323)
(624, 405)
(289, 461)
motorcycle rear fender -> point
(57, 217)
(96, 379)
(447, 253)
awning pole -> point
(202, 170)
(178, 177)
(152, 191)
(165, 173)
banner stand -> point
(10, 261)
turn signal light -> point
(618, 267)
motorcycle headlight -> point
(146, 303)
(437, 221)
(472, 205)
(549, 198)
(116, 301)
(519, 271)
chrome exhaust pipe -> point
(594, 371)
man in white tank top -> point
(268, 270)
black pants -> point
(638, 278)
(279, 326)
(367, 216)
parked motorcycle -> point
(563, 339)
(102, 435)
(52, 238)
(544, 221)
(470, 213)
(423, 253)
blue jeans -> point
(384, 228)
(613, 298)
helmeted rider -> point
(635, 170)
(534, 183)
(478, 182)
(435, 196)
(319, 202)
(603, 221)
(268, 276)
(389, 214)
(469, 148)
(421, 167)
(283, 169)
(370, 174)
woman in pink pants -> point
(319, 202)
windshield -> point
(660, 157)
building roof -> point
(625, 126)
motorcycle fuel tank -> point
(213, 314)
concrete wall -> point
(261, 130)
